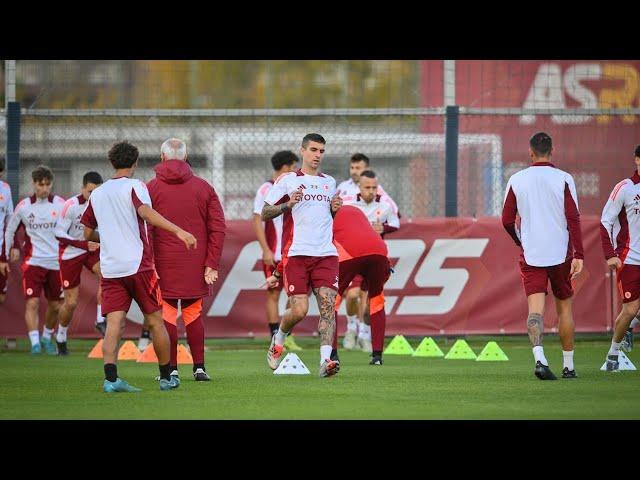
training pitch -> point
(405, 387)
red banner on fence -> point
(452, 276)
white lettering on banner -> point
(452, 280)
(408, 252)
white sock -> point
(280, 337)
(46, 333)
(34, 336)
(364, 331)
(352, 323)
(61, 336)
(634, 322)
(615, 348)
(538, 353)
(325, 352)
(568, 359)
(99, 317)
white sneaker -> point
(365, 344)
(329, 368)
(349, 340)
(274, 354)
(143, 343)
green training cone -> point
(492, 353)
(460, 351)
(428, 348)
(398, 346)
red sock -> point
(172, 330)
(335, 333)
(378, 321)
(195, 337)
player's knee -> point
(2, 298)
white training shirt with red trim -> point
(308, 227)
(377, 211)
(546, 199)
(69, 230)
(273, 227)
(39, 217)
(620, 222)
(6, 209)
(124, 237)
(349, 191)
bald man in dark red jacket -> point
(188, 201)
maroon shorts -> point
(374, 270)
(268, 271)
(117, 293)
(535, 279)
(629, 283)
(3, 284)
(302, 272)
(35, 279)
(71, 270)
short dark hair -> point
(282, 158)
(638, 151)
(368, 174)
(360, 157)
(42, 173)
(312, 137)
(541, 144)
(123, 155)
(92, 177)
(1, 164)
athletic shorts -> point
(374, 270)
(535, 279)
(3, 284)
(268, 271)
(71, 270)
(629, 282)
(36, 279)
(304, 272)
(359, 282)
(143, 287)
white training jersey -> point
(349, 191)
(620, 222)
(273, 227)
(377, 211)
(69, 230)
(39, 217)
(308, 227)
(540, 192)
(6, 208)
(124, 237)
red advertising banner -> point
(452, 276)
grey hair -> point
(174, 149)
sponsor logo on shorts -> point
(66, 283)
(627, 294)
(29, 291)
(291, 288)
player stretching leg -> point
(121, 207)
(551, 241)
(308, 200)
(620, 234)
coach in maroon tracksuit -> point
(191, 203)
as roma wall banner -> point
(451, 277)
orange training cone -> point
(184, 356)
(128, 351)
(96, 351)
(148, 356)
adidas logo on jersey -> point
(637, 198)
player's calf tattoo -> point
(535, 326)
(327, 324)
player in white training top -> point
(76, 252)
(620, 235)
(308, 200)
(38, 215)
(6, 210)
(545, 198)
(269, 235)
(121, 208)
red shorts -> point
(268, 271)
(34, 279)
(3, 284)
(535, 279)
(70, 270)
(300, 272)
(629, 282)
(142, 287)
(373, 269)
(359, 282)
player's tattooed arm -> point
(535, 326)
(272, 211)
(327, 324)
